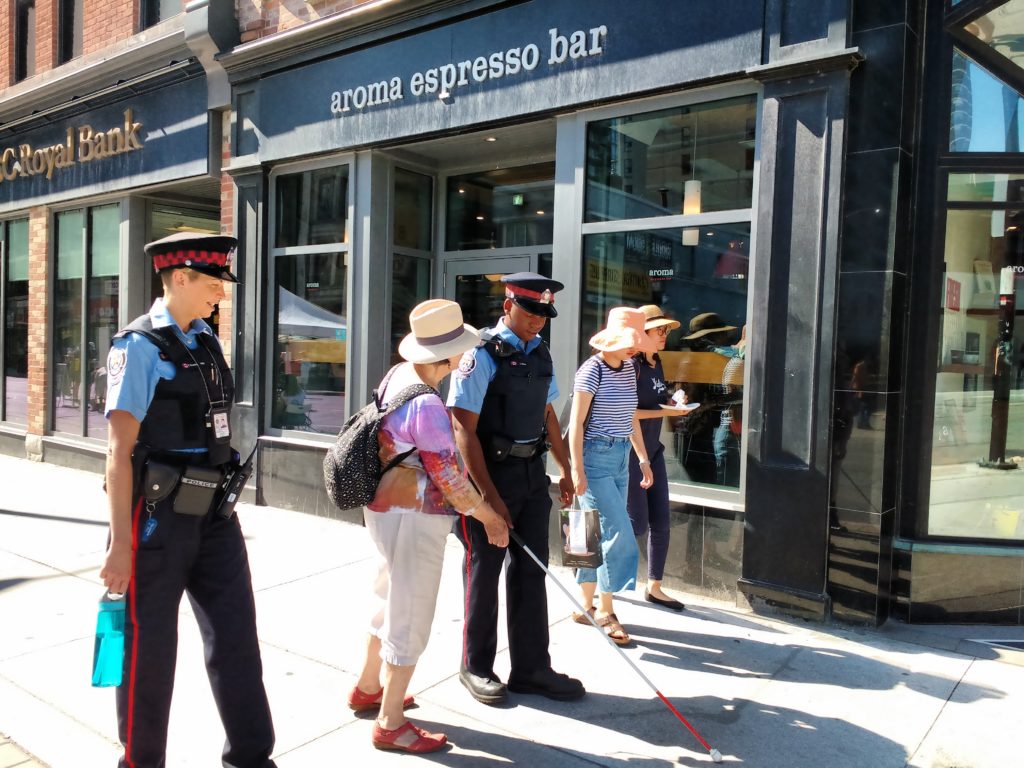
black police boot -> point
(549, 683)
(485, 689)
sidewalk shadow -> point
(747, 657)
(745, 732)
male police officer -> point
(501, 399)
(168, 404)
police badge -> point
(116, 361)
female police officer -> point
(169, 394)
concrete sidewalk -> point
(764, 692)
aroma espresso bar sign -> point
(441, 81)
(83, 144)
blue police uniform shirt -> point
(477, 368)
(134, 366)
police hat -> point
(534, 293)
(209, 254)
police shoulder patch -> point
(467, 364)
(116, 360)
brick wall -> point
(260, 18)
(38, 317)
(46, 35)
(108, 22)
(227, 227)
(105, 23)
(6, 42)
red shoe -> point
(408, 738)
(365, 702)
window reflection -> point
(505, 208)
(410, 284)
(985, 114)
(16, 324)
(979, 393)
(705, 288)
(311, 333)
(639, 165)
(67, 325)
(312, 207)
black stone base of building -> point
(958, 584)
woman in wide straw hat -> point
(410, 518)
(602, 426)
(648, 507)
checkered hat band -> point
(514, 291)
(189, 258)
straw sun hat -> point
(624, 330)
(437, 333)
(656, 318)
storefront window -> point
(310, 328)
(411, 259)
(14, 245)
(312, 207)
(704, 286)
(504, 208)
(976, 488)
(79, 379)
(101, 316)
(691, 159)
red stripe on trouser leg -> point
(132, 616)
(465, 611)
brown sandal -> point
(581, 618)
(615, 631)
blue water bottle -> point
(108, 652)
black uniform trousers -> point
(523, 486)
(204, 557)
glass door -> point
(476, 285)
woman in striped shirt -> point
(602, 427)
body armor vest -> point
(517, 397)
(178, 416)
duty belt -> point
(525, 450)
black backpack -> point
(352, 468)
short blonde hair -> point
(166, 276)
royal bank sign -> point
(82, 144)
(143, 138)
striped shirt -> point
(614, 393)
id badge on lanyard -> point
(218, 426)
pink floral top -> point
(430, 480)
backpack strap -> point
(401, 398)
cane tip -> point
(716, 755)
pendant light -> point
(691, 195)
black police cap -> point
(534, 293)
(209, 254)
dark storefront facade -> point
(653, 152)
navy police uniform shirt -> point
(477, 369)
(134, 366)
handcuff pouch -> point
(159, 481)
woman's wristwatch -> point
(644, 461)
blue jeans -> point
(606, 462)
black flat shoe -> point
(486, 690)
(673, 605)
(548, 683)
